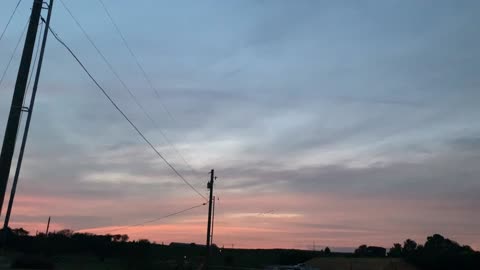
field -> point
(359, 264)
(167, 257)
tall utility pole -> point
(17, 101)
(213, 219)
(209, 226)
(29, 117)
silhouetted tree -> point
(361, 250)
(439, 253)
(124, 238)
(20, 232)
(116, 237)
(327, 251)
(143, 241)
(370, 251)
(65, 232)
(409, 247)
(395, 251)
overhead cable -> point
(13, 53)
(10, 19)
(125, 116)
(122, 82)
(156, 219)
(147, 79)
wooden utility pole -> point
(48, 227)
(29, 117)
(209, 225)
(17, 101)
(213, 219)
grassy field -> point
(332, 263)
(87, 262)
(359, 264)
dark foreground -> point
(68, 250)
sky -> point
(328, 123)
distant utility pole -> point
(29, 111)
(209, 226)
(17, 101)
(48, 227)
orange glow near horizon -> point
(269, 228)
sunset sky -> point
(338, 123)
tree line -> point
(437, 253)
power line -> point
(122, 82)
(124, 115)
(31, 71)
(147, 78)
(14, 51)
(110, 66)
(35, 59)
(10, 19)
(157, 219)
(133, 54)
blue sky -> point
(354, 121)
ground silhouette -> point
(66, 247)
